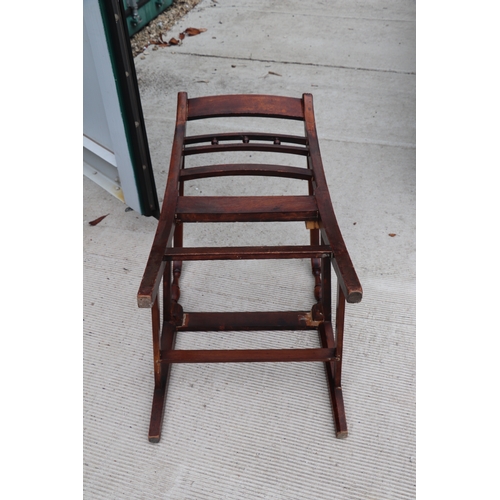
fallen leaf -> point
(194, 31)
(96, 221)
(273, 73)
(160, 44)
(182, 36)
(173, 41)
(392, 235)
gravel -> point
(161, 24)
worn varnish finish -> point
(249, 321)
(246, 208)
(326, 250)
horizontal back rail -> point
(259, 169)
(226, 148)
(245, 137)
(266, 106)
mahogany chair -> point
(326, 249)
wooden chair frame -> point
(327, 247)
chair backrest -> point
(261, 106)
(318, 206)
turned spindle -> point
(177, 312)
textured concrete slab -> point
(369, 37)
(236, 431)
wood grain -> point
(246, 208)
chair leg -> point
(162, 370)
(159, 390)
(341, 426)
(333, 368)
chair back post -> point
(330, 230)
(166, 224)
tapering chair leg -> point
(333, 368)
(165, 342)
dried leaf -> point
(160, 44)
(174, 41)
(273, 73)
(194, 31)
(182, 36)
(96, 221)
(392, 235)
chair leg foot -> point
(160, 391)
(337, 401)
(336, 397)
(157, 414)
(339, 413)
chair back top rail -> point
(266, 106)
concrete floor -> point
(265, 431)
